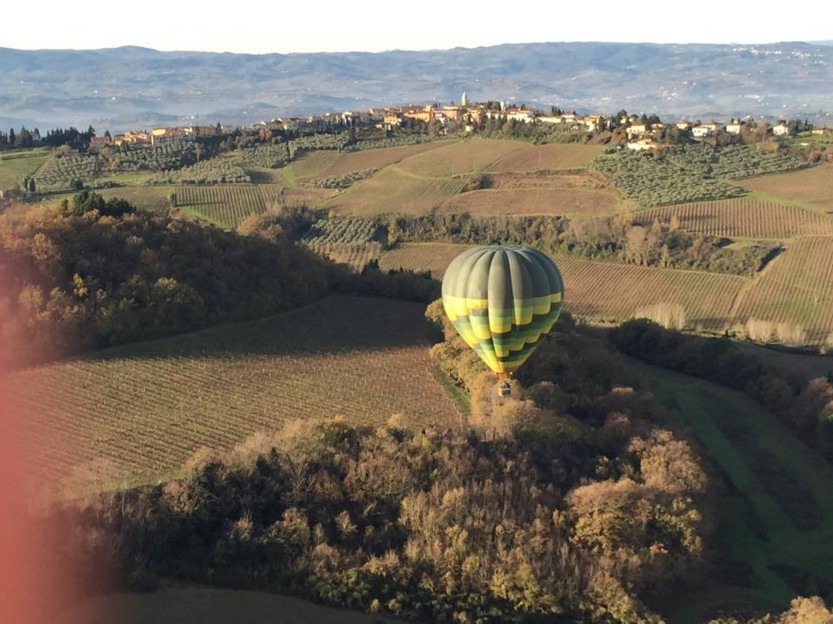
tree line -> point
(658, 244)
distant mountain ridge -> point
(135, 87)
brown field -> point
(744, 217)
(547, 158)
(356, 255)
(208, 605)
(141, 410)
(796, 288)
(433, 257)
(459, 158)
(559, 180)
(539, 201)
(392, 190)
(374, 159)
(811, 187)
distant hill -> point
(129, 87)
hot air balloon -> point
(503, 299)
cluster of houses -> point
(641, 134)
(157, 136)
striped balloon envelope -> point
(503, 299)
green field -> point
(139, 411)
(776, 518)
(16, 165)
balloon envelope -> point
(503, 299)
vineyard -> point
(744, 217)
(797, 290)
(227, 205)
(812, 188)
(602, 291)
(606, 292)
(145, 408)
(155, 199)
(539, 201)
(355, 255)
(547, 158)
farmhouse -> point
(704, 130)
(133, 137)
(734, 126)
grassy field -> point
(141, 410)
(14, 166)
(208, 605)
(743, 217)
(547, 158)
(811, 188)
(394, 190)
(424, 181)
(460, 158)
(796, 288)
(535, 201)
(776, 519)
(350, 162)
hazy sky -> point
(328, 26)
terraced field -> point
(743, 217)
(547, 158)
(535, 201)
(796, 288)
(142, 410)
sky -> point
(258, 27)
